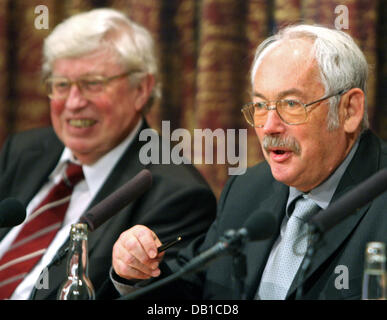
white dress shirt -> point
(83, 193)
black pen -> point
(168, 244)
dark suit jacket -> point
(343, 245)
(178, 203)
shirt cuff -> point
(122, 285)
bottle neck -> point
(77, 286)
(376, 262)
(77, 266)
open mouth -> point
(279, 151)
(280, 145)
(279, 155)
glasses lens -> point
(57, 87)
(255, 114)
(259, 111)
(248, 112)
(291, 111)
(92, 84)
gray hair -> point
(341, 63)
(104, 29)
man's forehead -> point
(290, 51)
(98, 62)
(288, 68)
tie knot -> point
(73, 174)
(305, 208)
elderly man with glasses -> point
(309, 112)
(100, 72)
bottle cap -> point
(376, 251)
(79, 230)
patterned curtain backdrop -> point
(205, 48)
(4, 72)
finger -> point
(130, 273)
(148, 240)
(135, 254)
(127, 265)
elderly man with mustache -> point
(309, 112)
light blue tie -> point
(280, 271)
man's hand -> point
(135, 254)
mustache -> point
(275, 141)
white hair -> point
(104, 29)
(341, 63)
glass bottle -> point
(374, 279)
(78, 285)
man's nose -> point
(274, 123)
(75, 99)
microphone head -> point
(12, 213)
(260, 225)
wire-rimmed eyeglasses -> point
(290, 111)
(90, 85)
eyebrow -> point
(282, 94)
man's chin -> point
(78, 145)
(80, 149)
(283, 174)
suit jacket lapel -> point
(257, 252)
(31, 171)
(35, 167)
(358, 170)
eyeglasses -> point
(90, 86)
(290, 111)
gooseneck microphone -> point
(12, 213)
(259, 226)
(119, 199)
(359, 196)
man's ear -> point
(352, 109)
(144, 89)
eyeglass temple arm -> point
(339, 93)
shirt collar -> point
(323, 193)
(97, 173)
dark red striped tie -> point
(37, 233)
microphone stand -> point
(239, 266)
(239, 275)
(315, 236)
